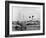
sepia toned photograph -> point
(24, 18)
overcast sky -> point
(18, 13)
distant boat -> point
(33, 23)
